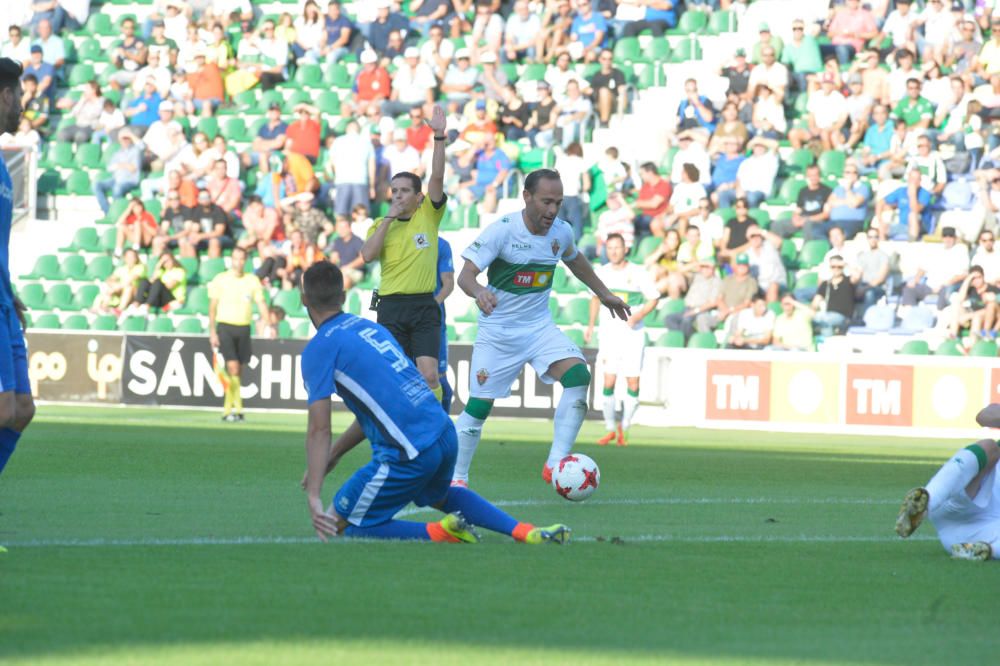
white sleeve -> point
(646, 285)
(487, 247)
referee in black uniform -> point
(406, 242)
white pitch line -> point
(281, 540)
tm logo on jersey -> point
(532, 278)
(420, 240)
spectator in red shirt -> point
(303, 134)
(225, 191)
(136, 225)
(207, 89)
(653, 201)
(418, 134)
(372, 84)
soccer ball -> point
(576, 477)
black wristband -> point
(440, 138)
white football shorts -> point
(620, 351)
(499, 356)
(963, 520)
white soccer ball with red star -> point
(576, 477)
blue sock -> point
(446, 393)
(394, 529)
(8, 442)
(478, 511)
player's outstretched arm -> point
(467, 282)
(318, 453)
(582, 269)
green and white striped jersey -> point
(519, 268)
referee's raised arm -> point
(435, 186)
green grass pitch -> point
(165, 537)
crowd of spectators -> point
(900, 103)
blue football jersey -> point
(445, 263)
(6, 222)
(361, 362)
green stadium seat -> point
(74, 267)
(190, 264)
(104, 323)
(80, 73)
(672, 339)
(687, 49)
(469, 334)
(48, 321)
(32, 295)
(627, 51)
(79, 184)
(291, 301)
(46, 268)
(788, 193)
(690, 22)
(658, 50)
(284, 329)
(59, 297)
(703, 341)
(576, 335)
(59, 154)
(100, 267)
(115, 211)
(209, 268)
(644, 248)
(799, 159)
(99, 24)
(303, 330)
(722, 21)
(812, 252)
(134, 325)
(529, 160)
(190, 326)
(196, 302)
(300, 97)
(235, 129)
(209, 125)
(337, 76)
(353, 302)
(915, 348)
(831, 163)
(162, 325)
(569, 284)
(808, 280)
(949, 348)
(775, 307)
(90, 50)
(646, 78)
(84, 240)
(49, 181)
(984, 348)
(534, 71)
(670, 306)
(451, 333)
(308, 76)
(789, 253)
(328, 102)
(577, 311)
(85, 296)
(76, 322)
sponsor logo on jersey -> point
(482, 375)
(476, 245)
(555, 247)
(420, 240)
(520, 246)
(532, 278)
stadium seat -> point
(788, 193)
(658, 51)
(284, 329)
(74, 267)
(303, 329)
(104, 323)
(235, 129)
(134, 325)
(831, 163)
(577, 311)
(59, 297)
(812, 252)
(328, 102)
(84, 240)
(100, 267)
(32, 295)
(80, 73)
(672, 339)
(90, 50)
(687, 50)
(190, 326)
(118, 207)
(534, 71)
(703, 341)
(808, 280)
(190, 264)
(58, 154)
(76, 322)
(47, 321)
(644, 248)
(451, 333)
(196, 302)
(576, 335)
(722, 21)
(948, 348)
(85, 296)
(690, 22)
(79, 183)
(469, 334)
(915, 348)
(88, 156)
(984, 348)
(209, 125)
(799, 159)
(789, 253)
(627, 51)
(338, 77)
(308, 76)
(353, 303)
(46, 268)
(291, 301)
(209, 268)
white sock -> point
(470, 430)
(629, 406)
(952, 478)
(570, 412)
(608, 409)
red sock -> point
(438, 533)
(520, 532)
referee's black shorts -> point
(234, 342)
(414, 320)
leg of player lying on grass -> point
(961, 499)
(413, 441)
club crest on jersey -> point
(555, 247)
(482, 375)
(420, 240)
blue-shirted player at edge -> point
(445, 285)
(414, 443)
(16, 405)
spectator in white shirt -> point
(755, 175)
(413, 85)
(753, 326)
(940, 273)
(694, 153)
(521, 33)
(827, 115)
(684, 202)
(987, 258)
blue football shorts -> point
(13, 352)
(378, 491)
(443, 352)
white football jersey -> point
(631, 283)
(519, 268)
